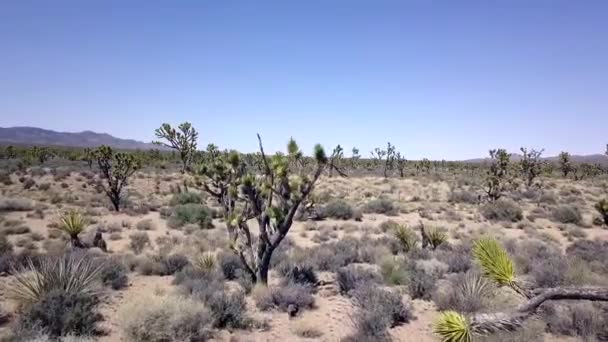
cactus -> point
(182, 140)
(530, 165)
(401, 163)
(41, 154)
(116, 168)
(388, 156)
(272, 197)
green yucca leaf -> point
(406, 237)
(69, 274)
(204, 262)
(494, 261)
(452, 327)
(72, 223)
(436, 237)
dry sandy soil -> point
(416, 199)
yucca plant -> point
(496, 264)
(602, 208)
(406, 237)
(436, 237)
(68, 274)
(204, 262)
(73, 223)
(453, 327)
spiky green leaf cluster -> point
(68, 274)
(453, 327)
(494, 261)
(72, 222)
(436, 237)
(406, 237)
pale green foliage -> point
(204, 262)
(602, 208)
(453, 327)
(406, 237)
(436, 237)
(183, 140)
(68, 274)
(494, 261)
(72, 222)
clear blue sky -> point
(439, 79)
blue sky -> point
(439, 79)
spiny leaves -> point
(494, 261)
(453, 327)
(72, 223)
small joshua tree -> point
(388, 156)
(497, 175)
(498, 267)
(41, 154)
(530, 165)
(337, 162)
(401, 163)
(272, 198)
(565, 163)
(116, 168)
(88, 156)
(182, 140)
(354, 158)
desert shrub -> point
(393, 272)
(566, 214)
(463, 196)
(16, 230)
(139, 241)
(174, 263)
(502, 210)
(5, 179)
(421, 282)
(533, 330)
(191, 214)
(378, 310)
(381, 206)
(457, 257)
(165, 319)
(340, 210)
(332, 256)
(206, 262)
(577, 319)
(230, 264)
(60, 313)
(351, 277)
(548, 198)
(228, 310)
(16, 204)
(300, 274)
(6, 246)
(549, 272)
(146, 224)
(389, 225)
(186, 198)
(44, 186)
(114, 274)
(284, 297)
(595, 253)
(602, 209)
(28, 183)
(466, 292)
(304, 330)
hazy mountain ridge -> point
(40, 136)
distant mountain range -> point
(38, 136)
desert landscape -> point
(363, 249)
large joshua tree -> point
(497, 266)
(183, 139)
(272, 198)
(116, 168)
